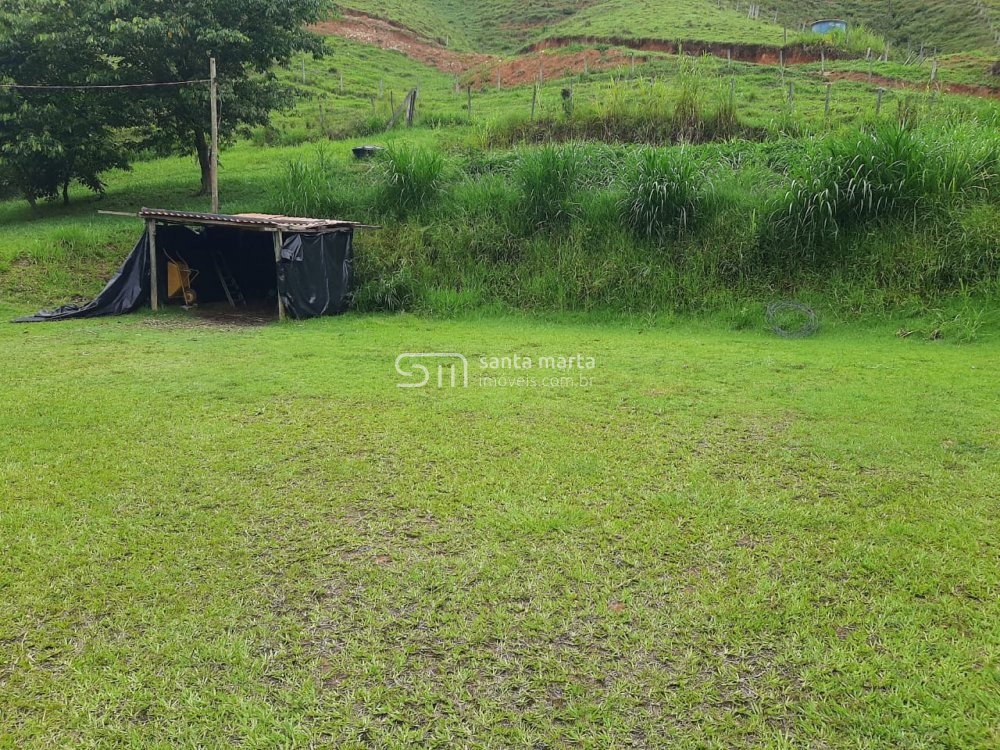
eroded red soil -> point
(388, 35)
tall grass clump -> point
(888, 172)
(411, 180)
(664, 193)
(688, 116)
(309, 187)
(547, 180)
(871, 177)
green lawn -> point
(250, 537)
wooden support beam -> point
(129, 214)
(279, 241)
(154, 280)
(214, 161)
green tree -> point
(156, 41)
(49, 138)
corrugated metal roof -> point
(251, 222)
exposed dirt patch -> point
(895, 83)
(380, 32)
(529, 68)
(486, 70)
(761, 54)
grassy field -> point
(226, 535)
(251, 537)
(503, 25)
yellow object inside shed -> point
(179, 278)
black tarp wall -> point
(313, 276)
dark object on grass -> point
(791, 320)
(367, 152)
(995, 70)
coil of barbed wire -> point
(792, 320)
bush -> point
(309, 187)
(875, 175)
(547, 179)
(664, 192)
(412, 180)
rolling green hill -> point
(503, 25)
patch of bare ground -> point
(526, 69)
(382, 33)
(761, 54)
(895, 83)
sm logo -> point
(432, 369)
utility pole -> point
(214, 160)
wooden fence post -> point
(411, 112)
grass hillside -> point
(493, 25)
(948, 25)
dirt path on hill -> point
(388, 35)
(483, 70)
(895, 83)
(478, 69)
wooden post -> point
(822, 61)
(534, 102)
(411, 111)
(878, 105)
(214, 160)
(279, 241)
(154, 273)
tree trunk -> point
(65, 193)
(204, 161)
